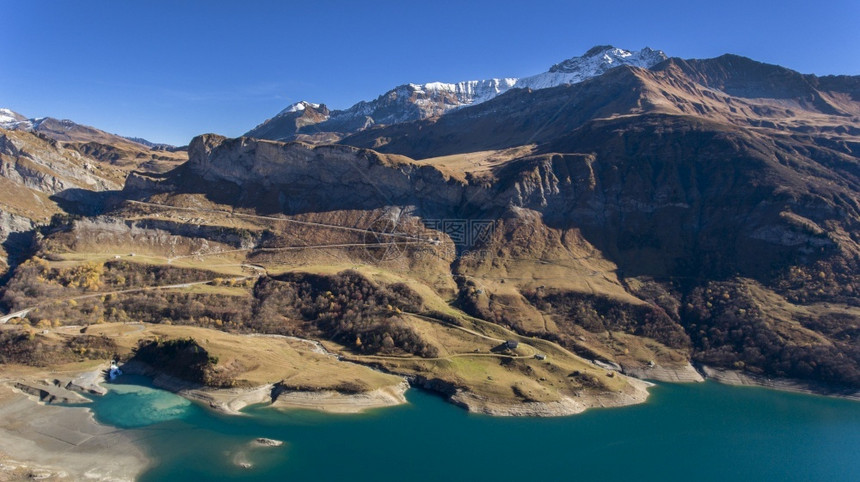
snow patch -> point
(436, 98)
(9, 117)
(298, 107)
(448, 96)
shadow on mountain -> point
(83, 202)
(19, 246)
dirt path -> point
(285, 219)
(23, 312)
(454, 355)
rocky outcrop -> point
(15, 238)
(672, 374)
(296, 177)
(44, 166)
(88, 382)
(161, 236)
(50, 393)
(739, 378)
(267, 442)
(653, 186)
(12, 223)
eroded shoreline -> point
(62, 442)
(737, 378)
(65, 442)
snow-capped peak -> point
(593, 63)
(409, 102)
(8, 116)
(299, 106)
(604, 57)
(435, 98)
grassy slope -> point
(260, 359)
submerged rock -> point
(268, 442)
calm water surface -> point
(696, 432)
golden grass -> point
(227, 264)
(465, 358)
(25, 202)
(265, 359)
(224, 290)
(478, 163)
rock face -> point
(702, 211)
(297, 177)
(49, 166)
(727, 188)
(36, 174)
(691, 201)
(44, 166)
(679, 374)
(12, 223)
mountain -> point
(94, 143)
(709, 206)
(529, 253)
(59, 130)
(8, 116)
(153, 145)
(48, 166)
(730, 90)
(315, 122)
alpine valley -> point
(522, 246)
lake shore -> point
(738, 378)
(637, 392)
(230, 401)
(686, 373)
(65, 442)
(42, 441)
(336, 402)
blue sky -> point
(168, 71)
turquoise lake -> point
(695, 432)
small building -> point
(540, 356)
(512, 344)
(114, 370)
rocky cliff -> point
(695, 211)
(644, 214)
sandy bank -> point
(636, 392)
(673, 374)
(232, 400)
(336, 402)
(61, 442)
